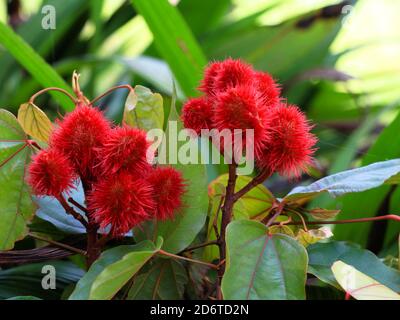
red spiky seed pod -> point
(169, 187)
(291, 146)
(197, 114)
(121, 201)
(207, 85)
(50, 173)
(232, 73)
(268, 91)
(221, 75)
(125, 149)
(79, 136)
(239, 108)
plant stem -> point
(103, 240)
(279, 210)
(34, 144)
(164, 253)
(215, 221)
(226, 218)
(202, 245)
(71, 211)
(58, 244)
(32, 98)
(93, 249)
(77, 204)
(386, 217)
(123, 86)
(260, 178)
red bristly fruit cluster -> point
(122, 188)
(238, 97)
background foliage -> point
(337, 60)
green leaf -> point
(26, 280)
(15, 201)
(144, 109)
(113, 270)
(165, 280)
(323, 255)
(262, 266)
(9, 127)
(34, 121)
(359, 285)
(174, 42)
(34, 64)
(255, 204)
(180, 232)
(355, 180)
(366, 204)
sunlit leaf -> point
(359, 285)
(34, 121)
(323, 255)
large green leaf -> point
(255, 204)
(34, 64)
(323, 255)
(180, 232)
(366, 204)
(165, 280)
(144, 109)
(16, 206)
(113, 270)
(355, 180)
(174, 42)
(26, 280)
(262, 266)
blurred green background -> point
(338, 60)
